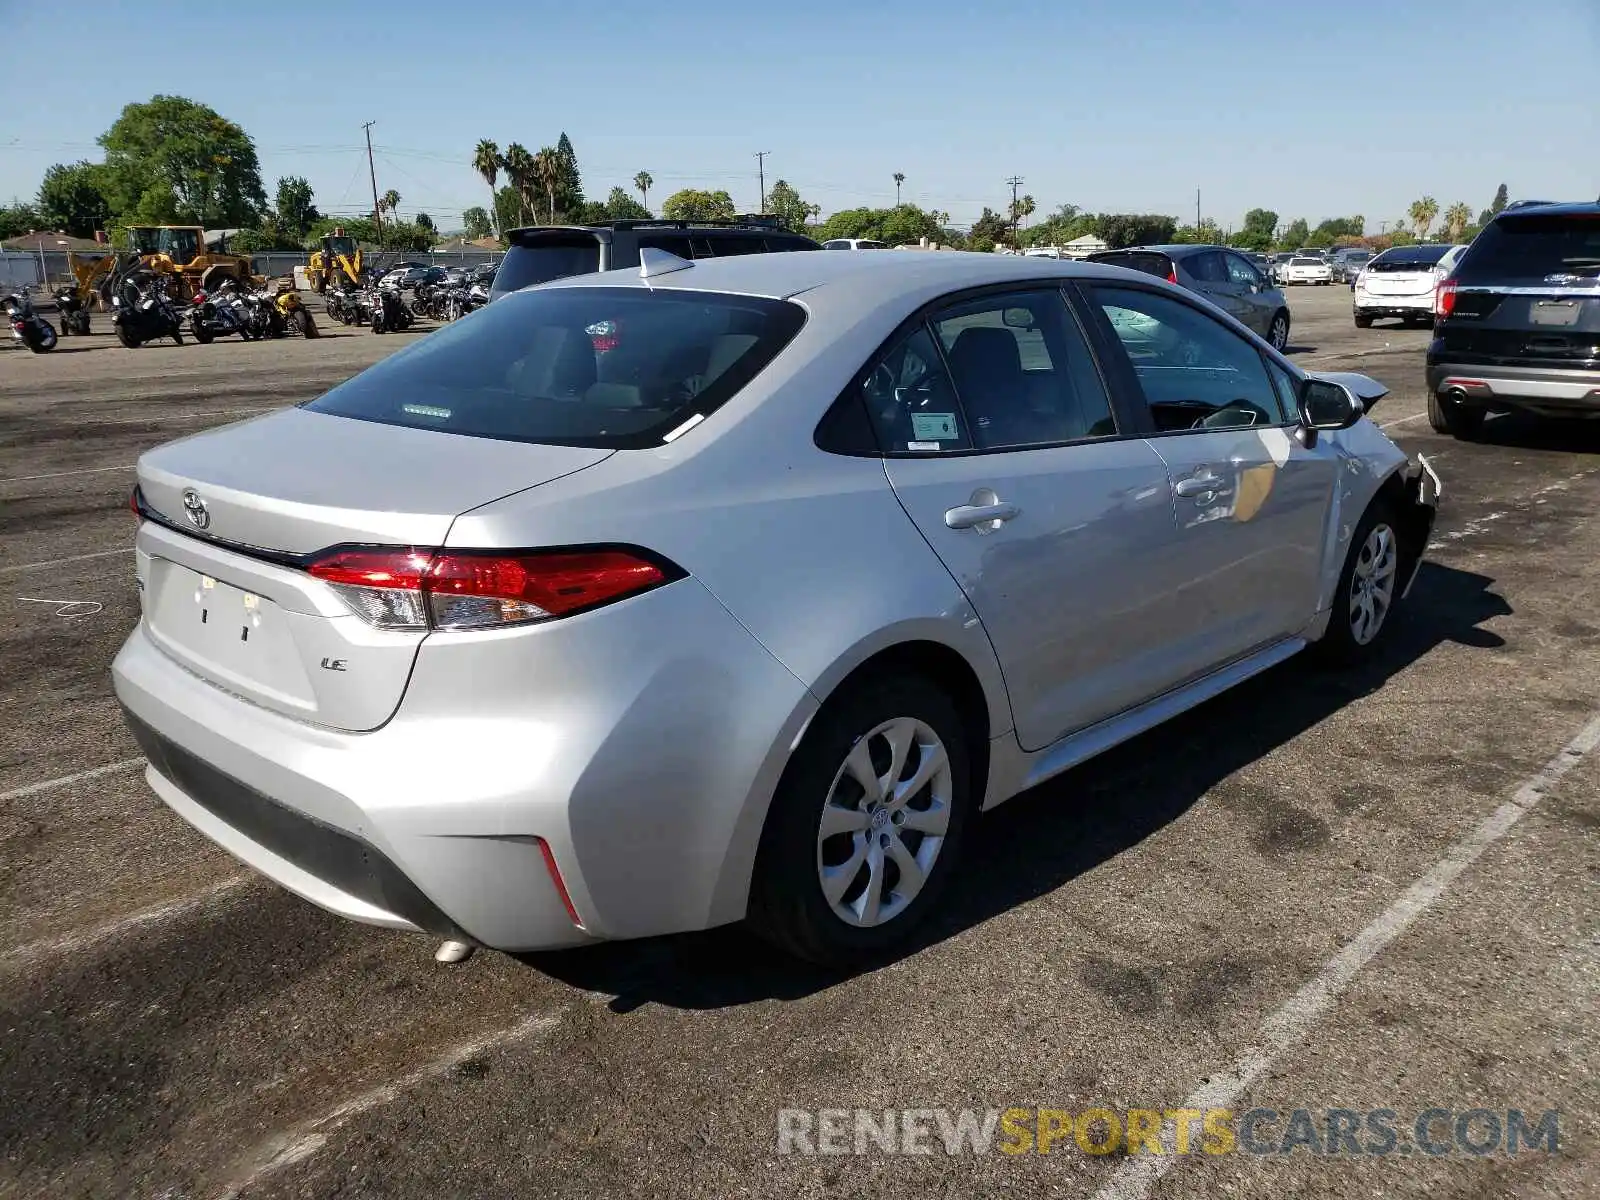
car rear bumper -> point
(1520, 387)
(511, 782)
(1368, 305)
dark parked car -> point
(545, 252)
(1517, 321)
(1223, 276)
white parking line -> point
(60, 562)
(47, 785)
(1401, 421)
(64, 474)
(1284, 1028)
(303, 1140)
(14, 962)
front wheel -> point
(303, 322)
(1369, 589)
(1278, 335)
(202, 331)
(127, 337)
(866, 824)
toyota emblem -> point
(199, 515)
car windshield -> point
(1534, 246)
(610, 368)
(1409, 258)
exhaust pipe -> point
(1456, 394)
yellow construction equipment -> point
(183, 252)
(339, 260)
(90, 272)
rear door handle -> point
(967, 516)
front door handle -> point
(1202, 485)
(984, 517)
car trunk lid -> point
(238, 513)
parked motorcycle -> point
(294, 314)
(27, 326)
(217, 314)
(388, 311)
(143, 312)
(74, 316)
(342, 303)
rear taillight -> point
(1444, 297)
(136, 503)
(409, 588)
(1172, 274)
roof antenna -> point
(654, 261)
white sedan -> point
(1305, 269)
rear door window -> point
(602, 367)
(1207, 267)
(544, 259)
(1533, 246)
(1241, 271)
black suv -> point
(1517, 323)
(544, 252)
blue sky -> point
(1312, 110)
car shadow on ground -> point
(1525, 431)
(1067, 827)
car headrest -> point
(984, 350)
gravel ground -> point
(1273, 903)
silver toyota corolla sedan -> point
(732, 590)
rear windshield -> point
(614, 368)
(1409, 258)
(1532, 247)
(1306, 262)
(547, 259)
(1141, 260)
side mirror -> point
(1327, 405)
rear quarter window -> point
(546, 259)
(613, 368)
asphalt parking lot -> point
(1322, 891)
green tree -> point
(389, 202)
(1338, 227)
(173, 159)
(1260, 226)
(1207, 233)
(550, 172)
(1296, 235)
(988, 231)
(486, 162)
(17, 219)
(508, 209)
(1456, 219)
(691, 204)
(73, 198)
(642, 181)
(294, 210)
(424, 221)
(476, 222)
(902, 225)
(1135, 229)
(1421, 214)
(520, 175)
(1502, 197)
(784, 203)
(620, 206)
(569, 183)
(899, 178)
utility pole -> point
(761, 174)
(377, 213)
(1014, 183)
(1197, 210)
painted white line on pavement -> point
(60, 562)
(64, 474)
(47, 785)
(23, 958)
(1402, 420)
(305, 1139)
(1284, 1028)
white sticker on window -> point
(923, 446)
(933, 426)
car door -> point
(1208, 275)
(1000, 443)
(1257, 306)
(1250, 503)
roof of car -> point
(873, 277)
(741, 225)
(1562, 209)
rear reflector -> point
(136, 504)
(410, 588)
(555, 878)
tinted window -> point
(836, 244)
(544, 260)
(1138, 260)
(1195, 372)
(1022, 371)
(1533, 246)
(1241, 271)
(910, 399)
(730, 244)
(1408, 258)
(1206, 268)
(605, 367)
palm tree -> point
(518, 164)
(547, 170)
(642, 181)
(1422, 212)
(486, 162)
(1456, 219)
(899, 178)
(390, 201)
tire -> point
(1278, 333)
(302, 320)
(1363, 321)
(1368, 591)
(47, 340)
(127, 337)
(788, 905)
(202, 333)
(1451, 416)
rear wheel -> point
(47, 340)
(866, 824)
(1455, 418)
(303, 321)
(202, 331)
(1363, 321)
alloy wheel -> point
(1372, 584)
(1279, 335)
(884, 822)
